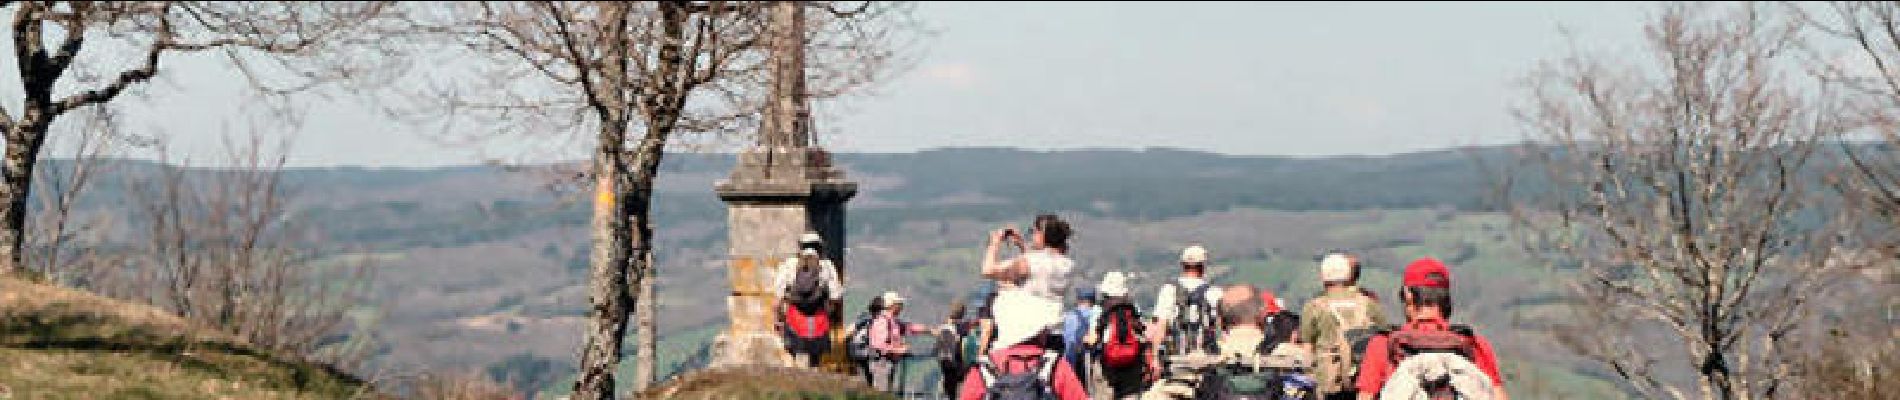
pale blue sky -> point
(1239, 78)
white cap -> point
(1114, 284)
(1021, 316)
(1194, 254)
(892, 298)
(1336, 267)
(810, 237)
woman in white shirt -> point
(1044, 266)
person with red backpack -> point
(1029, 366)
(1121, 347)
(808, 288)
(1429, 357)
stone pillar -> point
(781, 188)
(773, 196)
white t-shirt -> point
(1048, 274)
(1165, 307)
(788, 272)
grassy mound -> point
(763, 383)
(61, 343)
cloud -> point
(957, 75)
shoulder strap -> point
(1048, 369)
(987, 371)
(1462, 330)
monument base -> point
(749, 348)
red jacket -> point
(1378, 365)
(1023, 357)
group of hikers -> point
(1019, 341)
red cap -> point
(1427, 272)
(1272, 303)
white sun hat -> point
(1021, 316)
(1194, 254)
(1114, 284)
(892, 298)
(1336, 268)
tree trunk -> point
(608, 279)
(16, 173)
(664, 109)
(645, 334)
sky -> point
(1289, 79)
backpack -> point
(808, 291)
(1254, 381)
(972, 343)
(1019, 385)
(1435, 365)
(858, 345)
(1195, 323)
(1123, 347)
(1245, 382)
(1338, 359)
(949, 345)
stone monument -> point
(782, 187)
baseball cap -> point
(1194, 254)
(1336, 267)
(1427, 272)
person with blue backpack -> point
(1075, 326)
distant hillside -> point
(482, 268)
(59, 343)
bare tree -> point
(624, 71)
(66, 52)
(1854, 47)
(1857, 50)
(227, 251)
(633, 77)
(1678, 185)
(61, 241)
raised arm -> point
(1001, 270)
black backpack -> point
(808, 292)
(858, 344)
(949, 346)
(1020, 385)
(1195, 320)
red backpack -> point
(1123, 348)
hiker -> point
(1044, 265)
(1250, 365)
(1027, 366)
(951, 364)
(1335, 324)
(808, 286)
(887, 333)
(1184, 309)
(1241, 327)
(1120, 347)
(1075, 325)
(1282, 326)
(858, 344)
(1429, 357)
(982, 327)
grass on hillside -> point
(764, 383)
(60, 343)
